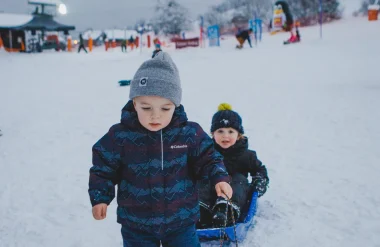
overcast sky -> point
(106, 13)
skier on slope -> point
(242, 36)
(283, 21)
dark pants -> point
(240, 188)
(82, 47)
(241, 40)
(123, 48)
(182, 237)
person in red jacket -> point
(283, 20)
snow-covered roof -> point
(374, 7)
(14, 20)
(46, 2)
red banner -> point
(183, 43)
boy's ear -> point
(134, 103)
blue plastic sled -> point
(212, 234)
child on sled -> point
(228, 136)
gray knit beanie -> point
(159, 77)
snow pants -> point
(240, 187)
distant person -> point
(131, 40)
(242, 36)
(81, 44)
(124, 45)
(283, 20)
(156, 41)
(157, 49)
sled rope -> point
(223, 232)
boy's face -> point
(154, 112)
(226, 137)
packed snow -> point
(310, 110)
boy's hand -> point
(223, 188)
(99, 211)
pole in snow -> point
(320, 18)
(10, 40)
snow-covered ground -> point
(310, 110)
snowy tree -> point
(216, 16)
(364, 6)
(331, 9)
(140, 23)
(262, 9)
(223, 13)
(252, 8)
(302, 9)
(307, 11)
(171, 17)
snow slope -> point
(310, 111)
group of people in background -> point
(282, 21)
(124, 44)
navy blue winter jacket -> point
(155, 172)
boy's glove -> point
(260, 184)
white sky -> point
(106, 14)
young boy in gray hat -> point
(154, 156)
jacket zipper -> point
(162, 153)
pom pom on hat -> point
(225, 117)
(224, 106)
